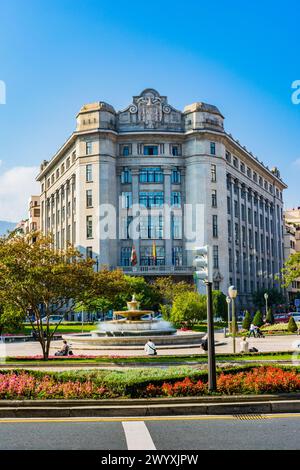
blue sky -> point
(57, 55)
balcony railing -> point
(166, 270)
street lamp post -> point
(232, 293)
(266, 296)
(228, 300)
(97, 263)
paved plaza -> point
(223, 345)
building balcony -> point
(157, 270)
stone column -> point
(135, 201)
(73, 208)
(167, 201)
(231, 179)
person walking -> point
(252, 330)
(150, 348)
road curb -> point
(151, 407)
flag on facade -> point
(154, 256)
(133, 257)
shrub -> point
(292, 326)
(247, 321)
(189, 308)
(270, 317)
(258, 319)
(236, 327)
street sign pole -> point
(212, 379)
(202, 263)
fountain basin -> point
(87, 341)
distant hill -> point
(4, 226)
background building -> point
(153, 154)
(292, 243)
(33, 222)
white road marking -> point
(137, 436)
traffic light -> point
(203, 263)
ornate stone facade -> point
(153, 154)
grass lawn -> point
(202, 358)
(63, 329)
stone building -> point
(153, 155)
(292, 243)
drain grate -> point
(249, 417)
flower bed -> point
(169, 383)
(256, 381)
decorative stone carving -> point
(149, 109)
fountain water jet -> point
(132, 330)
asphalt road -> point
(274, 432)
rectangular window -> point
(213, 173)
(126, 176)
(150, 150)
(125, 150)
(228, 205)
(243, 212)
(89, 173)
(147, 256)
(151, 199)
(125, 227)
(215, 257)
(212, 148)
(236, 209)
(89, 198)
(228, 156)
(236, 233)
(244, 236)
(176, 227)
(229, 230)
(176, 177)
(175, 150)
(151, 227)
(89, 226)
(88, 148)
(214, 198)
(89, 252)
(151, 175)
(177, 256)
(126, 200)
(230, 261)
(176, 199)
(125, 256)
(215, 225)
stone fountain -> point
(132, 330)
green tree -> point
(247, 320)
(37, 279)
(219, 304)
(188, 308)
(292, 325)
(11, 318)
(145, 292)
(275, 297)
(270, 317)
(258, 319)
(291, 269)
(168, 289)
